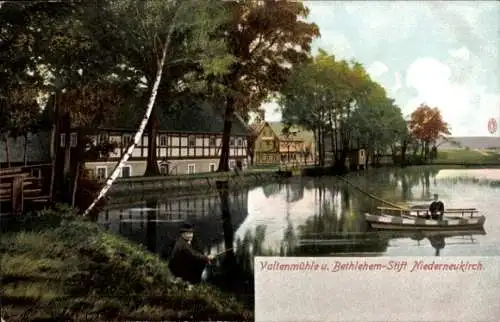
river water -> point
(318, 217)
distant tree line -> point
(339, 102)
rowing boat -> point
(416, 223)
(415, 219)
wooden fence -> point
(24, 187)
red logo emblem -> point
(492, 125)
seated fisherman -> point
(436, 208)
(185, 261)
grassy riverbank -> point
(68, 269)
(468, 156)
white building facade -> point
(177, 153)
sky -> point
(444, 54)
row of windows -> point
(73, 140)
(212, 142)
(102, 172)
(275, 157)
(127, 139)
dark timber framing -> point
(171, 145)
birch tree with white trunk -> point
(116, 172)
(194, 18)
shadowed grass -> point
(75, 271)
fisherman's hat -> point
(185, 228)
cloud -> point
(273, 112)
(442, 53)
(336, 43)
(467, 107)
(377, 69)
(397, 82)
(462, 53)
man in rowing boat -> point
(436, 208)
(185, 261)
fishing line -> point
(372, 196)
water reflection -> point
(155, 223)
(303, 217)
(312, 217)
(437, 243)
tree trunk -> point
(228, 124)
(75, 183)
(403, 152)
(7, 150)
(152, 168)
(332, 143)
(140, 131)
(25, 157)
(323, 150)
(53, 143)
(314, 151)
(320, 148)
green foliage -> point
(338, 100)
(135, 32)
(77, 271)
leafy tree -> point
(321, 97)
(304, 97)
(427, 125)
(134, 32)
(48, 48)
(20, 116)
(150, 21)
(337, 100)
(378, 123)
(267, 39)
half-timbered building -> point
(276, 144)
(186, 143)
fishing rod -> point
(373, 196)
(223, 252)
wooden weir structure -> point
(24, 185)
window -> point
(164, 169)
(63, 140)
(191, 169)
(212, 141)
(73, 140)
(212, 167)
(102, 173)
(126, 139)
(239, 142)
(163, 140)
(126, 171)
(191, 141)
(231, 142)
(102, 138)
(36, 172)
(231, 164)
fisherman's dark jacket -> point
(186, 262)
(436, 206)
